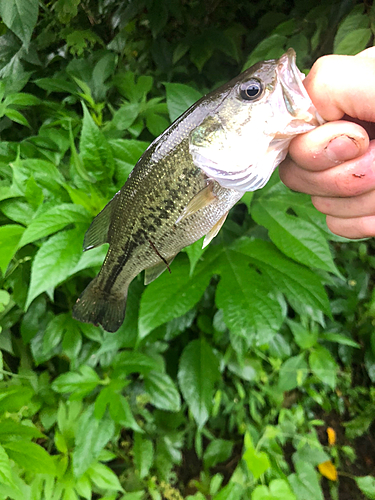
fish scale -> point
(188, 179)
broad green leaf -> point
(303, 337)
(162, 391)
(305, 482)
(10, 235)
(120, 412)
(170, 296)
(256, 461)
(16, 116)
(104, 478)
(281, 490)
(5, 469)
(292, 373)
(53, 262)
(195, 252)
(271, 47)
(53, 220)
(143, 452)
(296, 238)
(219, 450)
(56, 85)
(80, 383)
(232, 491)
(20, 16)
(95, 150)
(367, 485)
(30, 456)
(126, 153)
(21, 99)
(179, 98)
(299, 284)
(339, 339)
(10, 430)
(323, 365)
(354, 42)
(355, 20)
(136, 362)
(156, 123)
(249, 308)
(125, 116)
(197, 374)
(93, 434)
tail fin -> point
(100, 308)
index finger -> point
(341, 85)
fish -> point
(187, 180)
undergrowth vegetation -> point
(247, 373)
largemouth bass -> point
(185, 183)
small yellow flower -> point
(328, 470)
(331, 436)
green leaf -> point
(367, 485)
(95, 150)
(93, 434)
(136, 362)
(10, 430)
(125, 116)
(339, 339)
(20, 16)
(80, 384)
(156, 123)
(249, 308)
(303, 337)
(323, 365)
(143, 454)
(219, 450)
(30, 456)
(170, 296)
(10, 234)
(292, 373)
(271, 47)
(53, 262)
(5, 469)
(126, 153)
(16, 116)
(257, 461)
(179, 98)
(104, 478)
(162, 391)
(354, 42)
(197, 374)
(305, 483)
(355, 20)
(299, 284)
(53, 220)
(296, 238)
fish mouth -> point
(297, 100)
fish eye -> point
(250, 91)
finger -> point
(359, 227)
(328, 145)
(357, 206)
(351, 178)
(343, 84)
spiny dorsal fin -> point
(200, 200)
(151, 273)
(214, 230)
(97, 233)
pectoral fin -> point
(151, 273)
(214, 230)
(97, 233)
(200, 200)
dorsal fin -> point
(97, 233)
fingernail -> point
(341, 148)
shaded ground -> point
(364, 464)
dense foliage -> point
(245, 374)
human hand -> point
(335, 163)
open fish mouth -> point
(296, 98)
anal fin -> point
(204, 198)
(151, 273)
(214, 230)
(97, 233)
